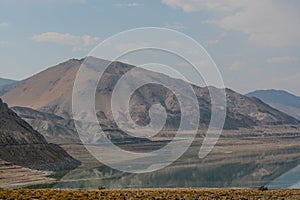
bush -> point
(101, 187)
(263, 188)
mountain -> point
(50, 94)
(281, 100)
(54, 128)
(6, 85)
(4, 81)
(22, 145)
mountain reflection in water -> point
(247, 162)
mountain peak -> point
(51, 91)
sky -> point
(255, 44)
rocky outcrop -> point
(22, 145)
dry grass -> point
(150, 194)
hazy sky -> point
(255, 44)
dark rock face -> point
(22, 145)
(48, 157)
(15, 131)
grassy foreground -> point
(150, 194)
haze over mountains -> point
(7, 87)
(47, 98)
(4, 81)
(281, 100)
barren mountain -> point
(22, 145)
(51, 90)
(50, 87)
(281, 100)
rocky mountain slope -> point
(22, 145)
(54, 128)
(51, 92)
(281, 100)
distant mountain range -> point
(4, 81)
(22, 145)
(7, 85)
(45, 99)
(279, 99)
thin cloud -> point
(192, 5)
(175, 26)
(133, 4)
(6, 43)
(79, 49)
(266, 22)
(216, 41)
(131, 46)
(212, 41)
(283, 59)
(66, 39)
(235, 66)
(3, 24)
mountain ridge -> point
(5, 81)
(50, 91)
(280, 99)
